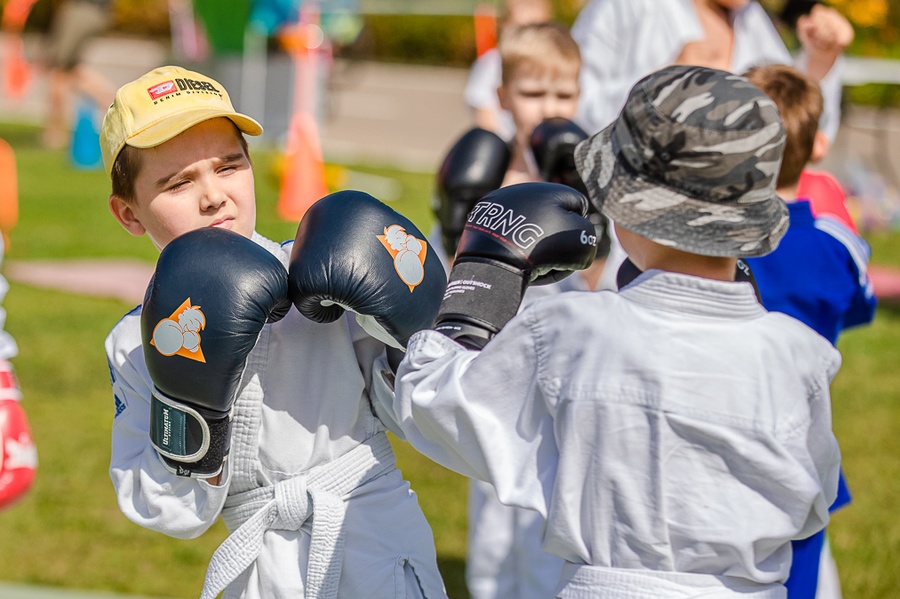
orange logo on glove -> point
(408, 252)
(179, 334)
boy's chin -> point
(244, 229)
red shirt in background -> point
(825, 195)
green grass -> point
(69, 532)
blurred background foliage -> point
(449, 40)
(876, 23)
(877, 35)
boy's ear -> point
(820, 147)
(502, 96)
(124, 213)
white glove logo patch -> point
(408, 252)
(20, 453)
(179, 334)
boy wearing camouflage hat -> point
(675, 435)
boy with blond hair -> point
(231, 404)
(818, 274)
(480, 93)
(540, 64)
(674, 436)
(539, 88)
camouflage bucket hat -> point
(691, 163)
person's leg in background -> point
(75, 23)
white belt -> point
(598, 582)
(286, 505)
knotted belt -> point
(286, 505)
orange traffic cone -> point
(303, 180)
(485, 28)
(9, 192)
(16, 70)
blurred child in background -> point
(539, 89)
(480, 92)
(817, 274)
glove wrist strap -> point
(481, 297)
(193, 442)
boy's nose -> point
(213, 197)
(551, 108)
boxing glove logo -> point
(17, 453)
(408, 253)
(497, 218)
(179, 334)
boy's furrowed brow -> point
(236, 157)
(230, 158)
(164, 180)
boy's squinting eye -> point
(177, 185)
(232, 163)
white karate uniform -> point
(310, 484)
(622, 41)
(505, 553)
(480, 92)
(8, 347)
(675, 436)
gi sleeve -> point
(481, 414)
(147, 492)
(863, 301)
(821, 445)
(621, 41)
(832, 89)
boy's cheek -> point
(247, 227)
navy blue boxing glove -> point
(475, 166)
(210, 296)
(353, 252)
(531, 233)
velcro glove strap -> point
(192, 441)
(481, 297)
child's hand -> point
(825, 34)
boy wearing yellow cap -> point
(277, 436)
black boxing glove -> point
(531, 233)
(353, 252)
(553, 144)
(474, 167)
(211, 294)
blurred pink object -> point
(826, 196)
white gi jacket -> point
(480, 92)
(675, 435)
(8, 347)
(304, 442)
(622, 41)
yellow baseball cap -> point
(161, 104)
